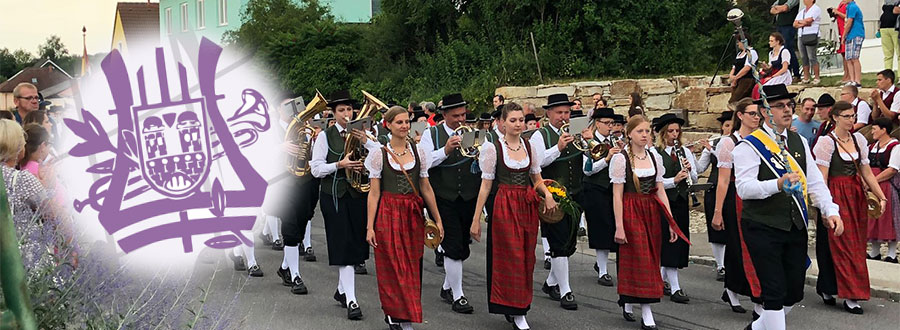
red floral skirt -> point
(882, 229)
(513, 234)
(400, 234)
(848, 251)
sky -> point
(27, 24)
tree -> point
(53, 49)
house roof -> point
(140, 21)
(42, 77)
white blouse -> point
(825, 146)
(617, 168)
(487, 159)
(375, 161)
(724, 152)
(894, 160)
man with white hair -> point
(26, 100)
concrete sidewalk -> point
(884, 277)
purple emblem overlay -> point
(165, 149)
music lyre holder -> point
(734, 16)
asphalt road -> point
(263, 303)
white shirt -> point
(863, 111)
(704, 161)
(669, 183)
(895, 105)
(746, 171)
(618, 163)
(550, 154)
(375, 162)
(597, 166)
(436, 156)
(894, 160)
(813, 12)
(748, 60)
(318, 166)
(487, 160)
(784, 78)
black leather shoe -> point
(628, 316)
(597, 268)
(892, 260)
(255, 271)
(462, 306)
(340, 298)
(750, 326)
(552, 291)
(447, 295)
(855, 310)
(438, 258)
(720, 274)
(238, 262)
(278, 245)
(647, 327)
(394, 327)
(737, 309)
(605, 280)
(301, 249)
(582, 232)
(310, 255)
(667, 290)
(679, 297)
(508, 318)
(755, 317)
(297, 287)
(878, 257)
(353, 311)
(285, 275)
(829, 302)
(360, 269)
(547, 264)
(567, 302)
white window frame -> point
(223, 12)
(184, 17)
(169, 20)
(201, 14)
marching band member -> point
(599, 212)
(343, 208)
(398, 171)
(884, 158)
(843, 158)
(773, 223)
(675, 255)
(513, 228)
(561, 162)
(456, 189)
(641, 210)
(708, 158)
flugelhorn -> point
(467, 151)
(579, 142)
(300, 133)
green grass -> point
(868, 80)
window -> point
(201, 14)
(223, 12)
(169, 20)
(184, 17)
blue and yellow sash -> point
(768, 150)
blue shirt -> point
(857, 30)
(807, 130)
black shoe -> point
(340, 298)
(394, 327)
(750, 326)
(567, 302)
(462, 306)
(855, 310)
(679, 297)
(755, 317)
(310, 254)
(582, 232)
(301, 249)
(597, 268)
(353, 311)
(238, 262)
(720, 274)
(360, 269)
(547, 264)
(878, 257)
(667, 290)
(508, 318)
(892, 260)
(297, 287)
(285, 275)
(829, 302)
(605, 280)
(647, 327)
(278, 245)
(266, 239)
(737, 309)
(552, 291)
(628, 316)
(255, 271)
(438, 258)
(447, 295)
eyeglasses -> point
(751, 113)
(605, 122)
(30, 98)
(788, 105)
(851, 116)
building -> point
(212, 18)
(52, 81)
(136, 23)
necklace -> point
(405, 151)
(511, 149)
(844, 140)
(642, 157)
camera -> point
(830, 12)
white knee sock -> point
(546, 245)
(876, 248)
(272, 222)
(602, 259)
(662, 272)
(454, 270)
(348, 282)
(249, 255)
(307, 242)
(583, 223)
(406, 326)
(292, 257)
(629, 308)
(758, 309)
(719, 254)
(647, 315)
(266, 229)
(551, 277)
(560, 267)
(520, 322)
(284, 258)
(827, 296)
(770, 320)
(238, 251)
(672, 274)
(852, 303)
(440, 249)
(733, 298)
(892, 249)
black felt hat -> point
(340, 97)
(665, 120)
(485, 116)
(603, 113)
(826, 100)
(620, 119)
(775, 93)
(452, 101)
(725, 116)
(554, 100)
(530, 117)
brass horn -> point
(301, 133)
(359, 179)
(468, 151)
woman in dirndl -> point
(843, 158)
(513, 228)
(884, 158)
(398, 172)
(641, 209)
(709, 158)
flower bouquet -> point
(565, 205)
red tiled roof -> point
(43, 78)
(140, 21)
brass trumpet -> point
(300, 133)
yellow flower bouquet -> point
(565, 205)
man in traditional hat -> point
(618, 126)
(563, 163)
(484, 121)
(456, 189)
(471, 120)
(823, 108)
(601, 222)
(774, 214)
(343, 207)
(531, 122)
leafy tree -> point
(53, 49)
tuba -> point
(301, 133)
(359, 180)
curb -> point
(877, 292)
